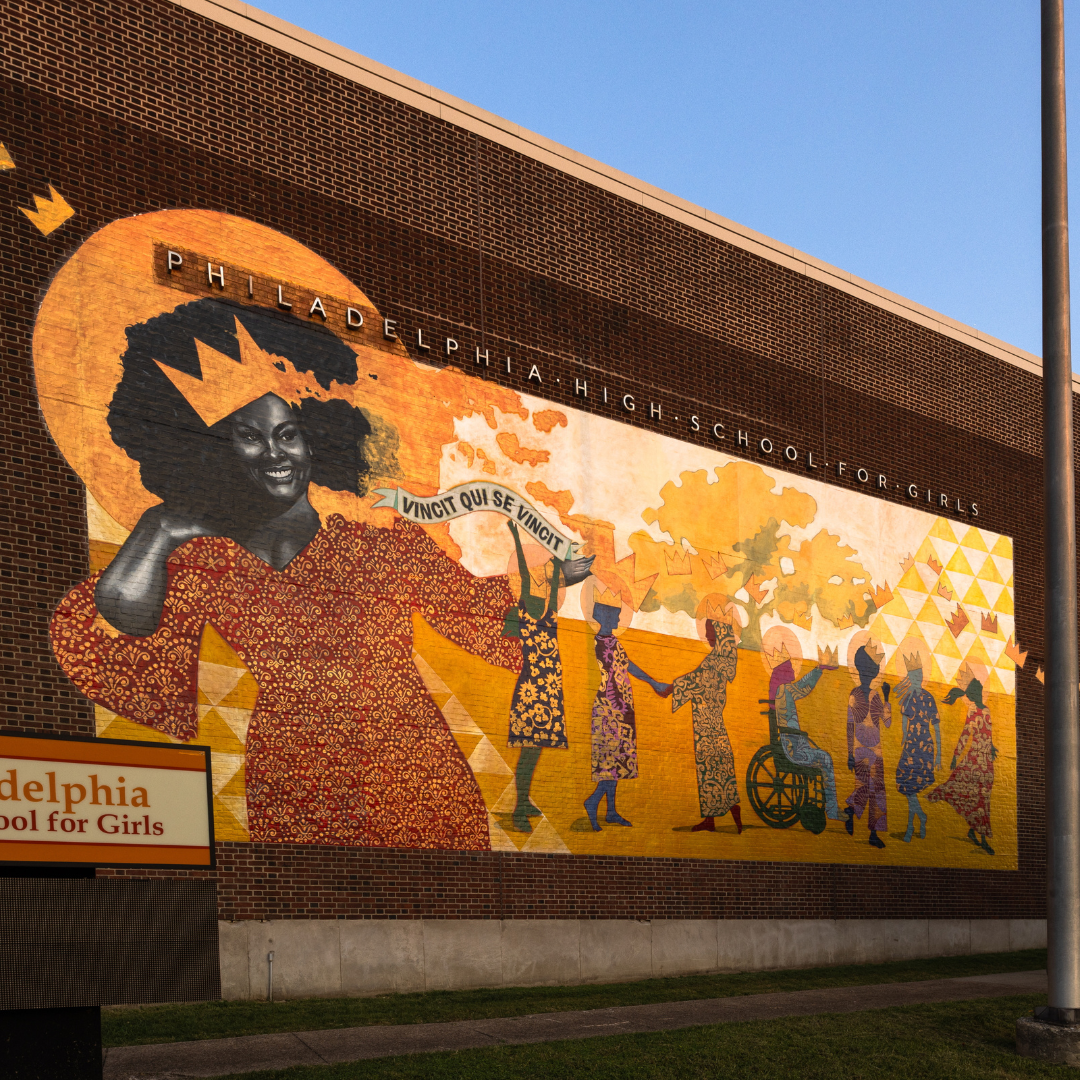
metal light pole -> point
(1062, 646)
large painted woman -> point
(229, 412)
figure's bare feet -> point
(705, 825)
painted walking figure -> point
(920, 752)
(706, 689)
(614, 727)
(537, 715)
(867, 710)
(971, 781)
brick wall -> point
(128, 107)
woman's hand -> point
(175, 526)
(577, 570)
(131, 592)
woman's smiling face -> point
(270, 445)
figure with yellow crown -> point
(785, 690)
(232, 412)
(920, 751)
(614, 723)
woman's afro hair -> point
(178, 454)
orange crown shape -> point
(874, 651)
(882, 596)
(913, 662)
(226, 385)
(610, 599)
(958, 621)
(678, 562)
(1015, 653)
(827, 657)
(717, 611)
(777, 656)
(964, 676)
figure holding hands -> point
(614, 727)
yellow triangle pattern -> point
(947, 647)
(880, 632)
(973, 539)
(930, 613)
(911, 580)
(959, 562)
(943, 530)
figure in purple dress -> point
(614, 729)
(867, 711)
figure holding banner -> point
(537, 718)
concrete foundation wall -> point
(351, 958)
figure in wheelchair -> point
(792, 778)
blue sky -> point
(899, 141)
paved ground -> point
(216, 1057)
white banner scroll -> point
(479, 495)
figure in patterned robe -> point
(971, 781)
(921, 750)
(614, 726)
(345, 744)
(705, 688)
(867, 711)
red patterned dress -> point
(968, 789)
(345, 745)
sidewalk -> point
(217, 1057)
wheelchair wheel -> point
(812, 815)
(777, 797)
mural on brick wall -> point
(408, 607)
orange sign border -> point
(92, 751)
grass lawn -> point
(222, 1019)
(968, 1040)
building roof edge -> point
(305, 45)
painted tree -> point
(725, 538)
